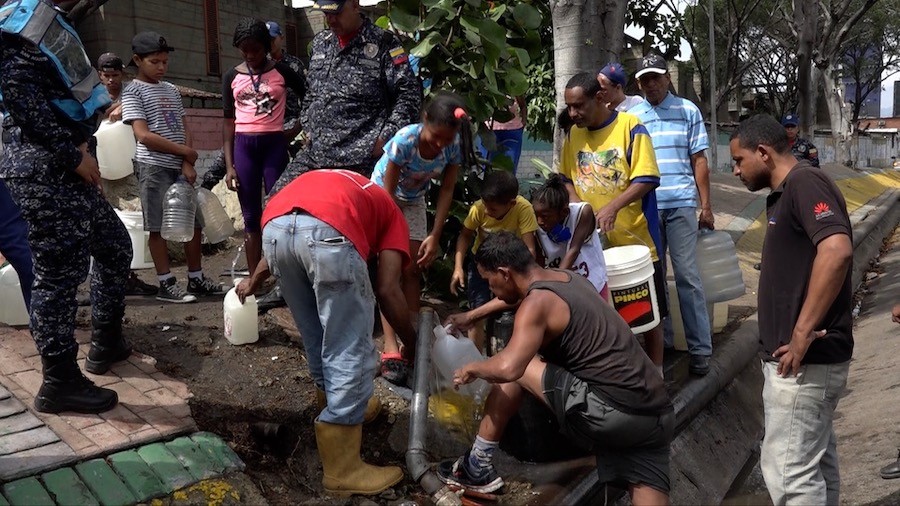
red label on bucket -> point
(634, 304)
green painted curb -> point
(68, 490)
(137, 475)
(166, 466)
(128, 477)
(104, 483)
(26, 492)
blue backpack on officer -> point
(42, 24)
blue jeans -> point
(14, 242)
(799, 459)
(678, 228)
(325, 283)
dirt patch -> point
(236, 387)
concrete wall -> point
(182, 23)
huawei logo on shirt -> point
(822, 210)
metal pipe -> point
(713, 110)
(416, 457)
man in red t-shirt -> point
(318, 233)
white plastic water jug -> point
(179, 212)
(115, 149)
(12, 305)
(241, 320)
(449, 354)
(140, 240)
(719, 269)
(217, 225)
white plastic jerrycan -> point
(241, 320)
(12, 305)
(115, 149)
(719, 269)
(449, 354)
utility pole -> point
(713, 122)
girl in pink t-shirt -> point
(256, 146)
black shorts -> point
(662, 291)
(630, 449)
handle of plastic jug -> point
(237, 281)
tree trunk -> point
(806, 19)
(586, 35)
(839, 116)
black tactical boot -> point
(107, 346)
(66, 389)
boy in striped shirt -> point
(154, 109)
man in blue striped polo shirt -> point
(680, 142)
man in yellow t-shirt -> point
(609, 160)
(500, 208)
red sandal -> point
(394, 368)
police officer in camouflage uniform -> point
(56, 183)
(802, 148)
(360, 91)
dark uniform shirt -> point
(803, 211)
(48, 138)
(292, 105)
(805, 150)
(355, 95)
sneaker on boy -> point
(169, 291)
(202, 285)
(484, 480)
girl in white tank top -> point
(567, 234)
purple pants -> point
(258, 159)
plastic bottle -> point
(719, 269)
(241, 320)
(502, 331)
(12, 305)
(449, 354)
(179, 211)
(216, 224)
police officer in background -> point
(802, 148)
(56, 183)
(360, 91)
(280, 54)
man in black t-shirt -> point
(575, 354)
(805, 323)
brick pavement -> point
(152, 406)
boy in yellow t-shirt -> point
(609, 160)
(500, 208)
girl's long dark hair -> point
(448, 109)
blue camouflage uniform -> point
(292, 101)
(805, 150)
(355, 95)
(68, 219)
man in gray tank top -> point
(574, 353)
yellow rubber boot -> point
(373, 408)
(344, 471)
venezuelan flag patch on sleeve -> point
(398, 54)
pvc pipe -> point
(416, 457)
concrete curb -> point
(736, 355)
(870, 231)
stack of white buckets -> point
(633, 293)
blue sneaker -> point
(456, 472)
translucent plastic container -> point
(449, 354)
(719, 269)
(179, 212)
(115, 149)
(12, 305)
(241, 320)
(216, 224)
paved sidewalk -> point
(151, 406)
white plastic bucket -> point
(115, 149)
(631, 287)
(140, 240)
